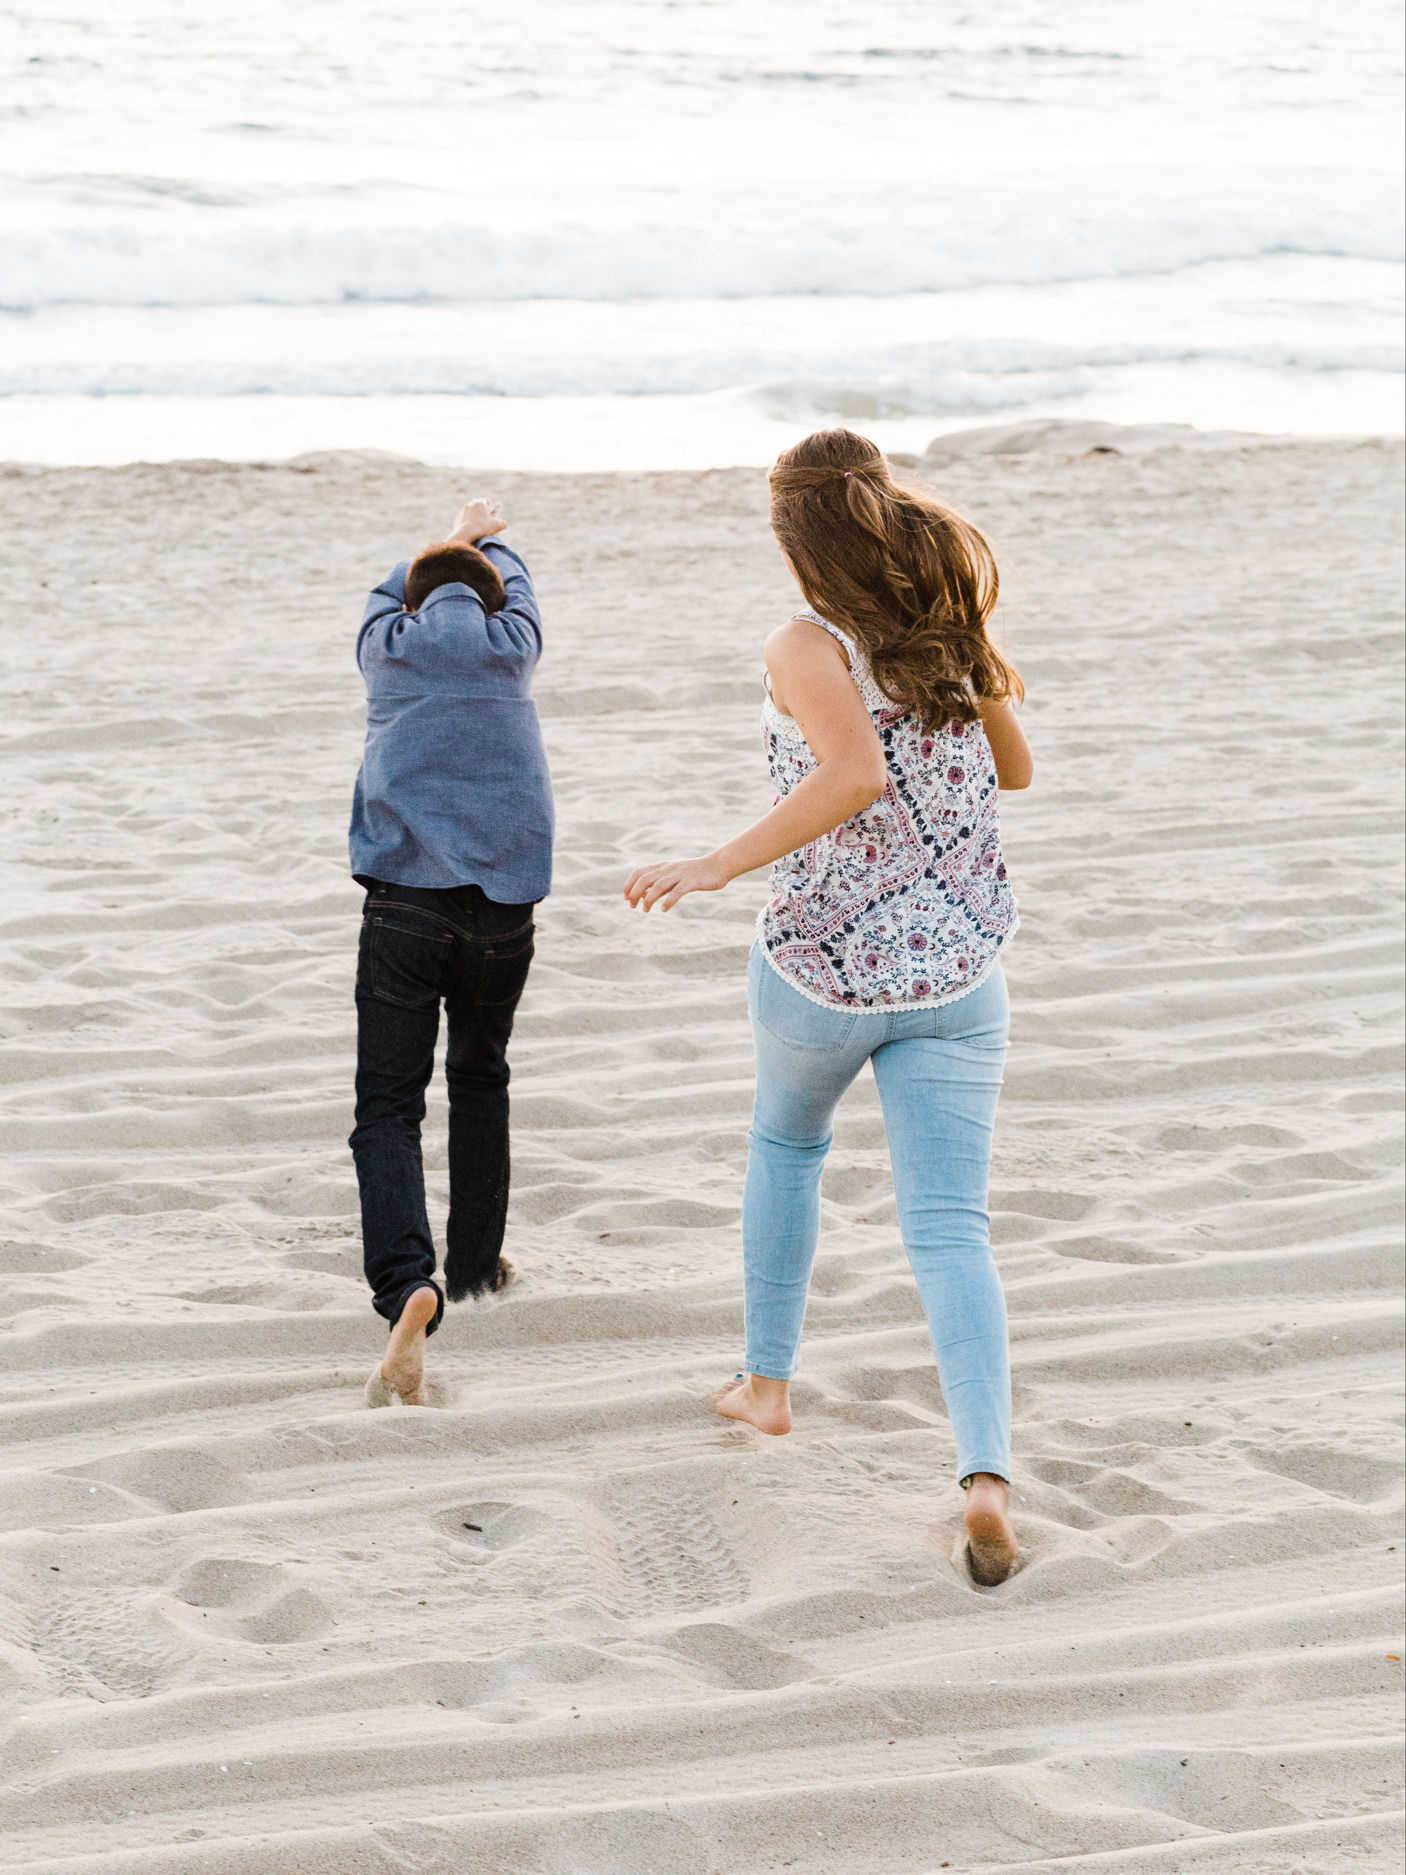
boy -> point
(451, 836)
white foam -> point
(990, 347)
(1027, 230)
(564, 434)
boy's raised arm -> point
(521, 617)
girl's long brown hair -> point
(910, 580)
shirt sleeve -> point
(386, 599)
(520, 620)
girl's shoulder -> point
(805, 627)
(806, 632)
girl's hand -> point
(477, 518)
(669, 881)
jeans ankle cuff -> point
(766, 1370)
(420, 1282)
(981, 1466)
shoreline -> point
(1005, 445)
(645, 433)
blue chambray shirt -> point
(453, 788)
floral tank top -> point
(907, 904)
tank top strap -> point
(812, 617)
(874, 699)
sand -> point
(567, 1622)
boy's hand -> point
(483, 515)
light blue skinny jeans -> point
(939, 1076)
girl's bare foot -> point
(991, 1545)
(763, 1403)
(403, 1370)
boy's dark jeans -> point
(418, 946)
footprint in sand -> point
(253, 1601)
(484, 1530)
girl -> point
(889, 729)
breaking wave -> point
(1087, 229)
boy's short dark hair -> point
(454, 560)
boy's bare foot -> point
(991, 1545)
(403, 1370)
(763, 1403)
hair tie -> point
(849, 474)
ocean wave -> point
(905, 380)
(1029, 236)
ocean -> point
(581, 234)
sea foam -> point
(1087, 227)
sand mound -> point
(1064, 436)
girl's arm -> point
(810, 680)
(1015, 766)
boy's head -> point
(448, 560)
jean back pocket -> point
(402, 959)
(789, 1017)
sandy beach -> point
(567, 1622)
